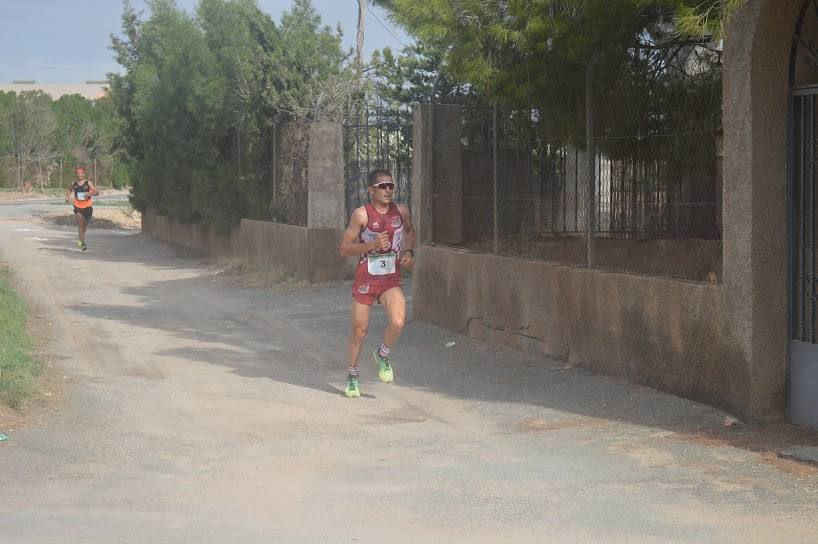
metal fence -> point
(376, 136)
(525, 191)
(58, 172)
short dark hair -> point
(373, 176)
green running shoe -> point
(384, 368)
(79, 243)
(83, 246)
(352, 389)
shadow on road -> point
(299, 338)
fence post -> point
(430, 186)
(495, 242)
(589, 137)
(422, 149)
(275, 164)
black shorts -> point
(86, 212)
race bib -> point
(381, 265)
(82, 195)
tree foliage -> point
(536, 53)
(202, 95)
(36, 132)
(413, 76)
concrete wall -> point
(310, 253)
(664, 333)
(690, 259)
(199, 237)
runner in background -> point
(83, 190)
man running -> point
(83, 190)
(380, 233)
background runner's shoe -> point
(384, 368)
(352, 389)
(83, 246)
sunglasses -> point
(385, 186)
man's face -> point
(80, 173)
(383, 190)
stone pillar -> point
(326, 190)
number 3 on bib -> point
(380, 265)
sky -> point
(66, 41)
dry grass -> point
(245, 274)
(104, 218)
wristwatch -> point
(410, 252)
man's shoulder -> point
(359, 215)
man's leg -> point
(81, 224)
(394, 303)
(360, 322)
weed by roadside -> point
(18, 364)
(248, 275)
(118, 217)
(100, 204)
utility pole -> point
(359, 52)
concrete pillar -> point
(326, 187)
(422, 157)
(755, 106)
(447, 173)
(437, 167)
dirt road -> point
(196, 411)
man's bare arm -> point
(350, 246)
(408, 227)
(407, 259)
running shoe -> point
(352, 391)
(384, 368)
(83, 246)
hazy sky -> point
(66, 41)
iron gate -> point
(803, 359)
(377, 137)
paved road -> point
(199, 412)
